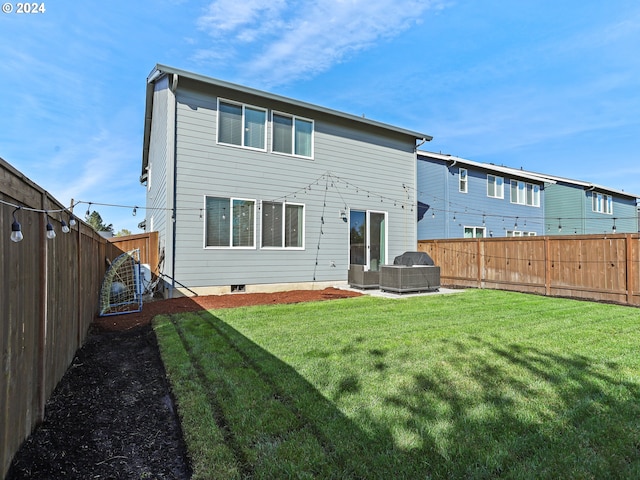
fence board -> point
(596, 267)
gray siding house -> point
(252, 191)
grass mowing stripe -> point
(210, 457)
(286, 388)
(244, 466)
(242, 346)
(271, 437)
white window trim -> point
(606, 200)
(465, 181)
(484, 231)
(304, 223)
(230, 246)
(244, 106)
(496, 184)
(536, 193)
(293, 135)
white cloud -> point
(240, 20)
(294, 39)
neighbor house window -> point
(474, 232)
(518, 233)
(602, 203)
(292, 135)
(229, 222)
(282, 225)
(242, 125)
(495, 186)
(525, 193)
(462, 180)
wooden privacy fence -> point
(596, 267)
(146, 242)
(48, 298)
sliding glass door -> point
(368, 238)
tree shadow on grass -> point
(518, 413)
(524, 412)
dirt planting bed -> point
(112, 415)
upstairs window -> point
(495, 186)
(602, 203)
(282, 225)
(292, 135)
(229, 222)
(242, 125)
(518, 233)
(524, 193)
(462, 180)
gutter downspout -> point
(415, 190)
(174, 86)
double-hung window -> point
(462, 180)
(495, 186)
(601, 202)
(229, 222)
(525, 193)
(242, 125)
(282, 225)
(292, 135)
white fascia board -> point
(513, 172)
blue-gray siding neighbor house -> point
(252, 191)
(459, 198)
(577, 207)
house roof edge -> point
(160, 69)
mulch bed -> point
(112, 415)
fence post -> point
(479, 252)
(80, 330)
(629, 264)
(42, 321)
(547, 267)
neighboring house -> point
(252, 191)
(577, 207)
(459, 198)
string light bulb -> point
(65, 228)
(72, 220)
(16, 229)
(51, 233)
(135, 210)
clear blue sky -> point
(550, 86)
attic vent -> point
(238, 288)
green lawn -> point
(480, 384)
